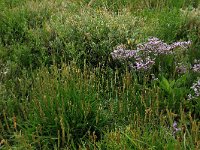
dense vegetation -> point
(91, 74)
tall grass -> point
(69, 108)
(61, 89)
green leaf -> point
(182, 80)
(165, 84)
(172, 83)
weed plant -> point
(60, 87)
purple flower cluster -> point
(196, 67)
(181, 68)
(184, 44)
(145, 54)
(196, 89)
(154, 45)
(121, 53)
(144, 64)
(175, 128)
(157, 46)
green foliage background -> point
(60, 88)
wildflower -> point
(156, 46)
(175, 128)
(121, 53)
(144, 64)
(196, 67)
(196, 89)
(185, 44)
(190, 96)
(180, 68)
(153, 77)
(145, 54)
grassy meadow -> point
(62, 88)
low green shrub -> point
(60, 88)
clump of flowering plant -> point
(175, 128)
(196, 89)
(143, 58)
(181, 68)
(196, 66)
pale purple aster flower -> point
(196, 89)
(144, 64)
(156, 46)
(196, 68)
(153, 77)
(180, 68)
(121, 53)
(175, 128)
(184, 44)
(145, 54)
(190, 96)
